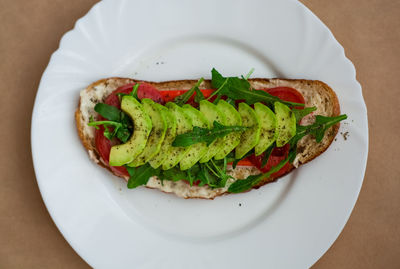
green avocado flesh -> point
(157, 133)
(183, 125)
(249, 138)
(232, 119)
(170, 134)
(156, 127)
(212, 113)
(197, 150)
(268, 125)
(126, 153)
(285, 124)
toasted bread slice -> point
(316, 93)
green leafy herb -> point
(192, 173)
(246, 184)
(112, 129)
(174, 174)
(240, 89)
(140, 175)
(219, 88)
(236, 161)
(267, 154)
(183, 98)
(199, 134)
(109, 112)
(118, 125)
(317, 129)
(248, 74)
(199, 95)
(231, 101)
(217, 99)
(220, 172)
(206, 177)
(301, 113)
(133, 93)
(213, 173)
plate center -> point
(194, 57)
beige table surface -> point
(30, 31)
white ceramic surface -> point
(288, 224)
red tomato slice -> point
(104, 145)
(287, 94)
(145, 90)
(169, 96)
(278, 154)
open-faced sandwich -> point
(205, 138)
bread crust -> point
(309, 89)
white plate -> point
(289, 224)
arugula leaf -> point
(248, 74)
(246, 184)
(236, 161)
(199, 134)
(183, 98)
(140, 175)
(174, 174)
(109, 112)
(119, 124)
(317, 129)
(108, 133)
(267, 154)
(240, 89)
(221, 172)
(218, 81)
(192, 173)
(301, 113)
(219, 88)
(230, 101)
(217, 99)
(133, 93)
(207, 178)
(213, 173)
(199, 95)
(103, 122)
(123, 134)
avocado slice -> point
(285, 124)
(125, 153)
(199, 149)
(251, 136)
(268, 125)
(232, 118)
(183, 125)
(157, 133)
(212, 113)
(170, 134)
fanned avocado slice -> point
(157, 133)
(285, 124)
(251, 136)
(268, 125)
(199, 149)
(212, 113)
(170, 134)
(183, 125)
(232, 139)
(125, 153)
